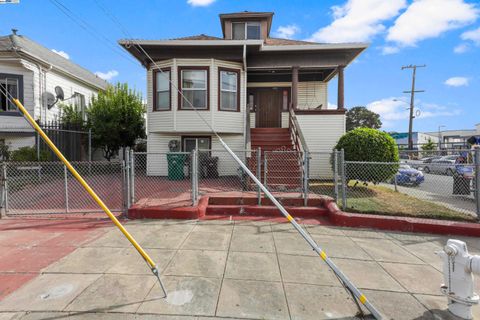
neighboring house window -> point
(229, 90)
(198, 143)
(194, 88)
(162, 88)
(13, 84)
(246, 30)
(79, 103)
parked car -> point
(463, 182)
(408, 175)
(443, 165)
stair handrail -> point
(296, 132)
(247, 128)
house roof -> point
(22, 44)
(198, 37)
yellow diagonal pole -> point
(90, 191)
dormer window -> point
(246, 30)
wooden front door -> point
(268, 103)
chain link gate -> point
(40, 188)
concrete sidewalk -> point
(241, 269)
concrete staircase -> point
(283, 168)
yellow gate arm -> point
(89, 190)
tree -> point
(361, 117)
(366, 145)
(429, 146)
(71, 116)
(116, 117)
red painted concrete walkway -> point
(27, 245)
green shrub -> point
(369, 145)
(28, 154)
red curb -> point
(404, 224)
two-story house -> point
(30, 72)
(247, 85)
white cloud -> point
(358, 20)
(200, 3)
(109, 75)
(390, 50)
(461, 48)
(396, 109)
(457, 82)
(430, 18)
(61, 53)
(287, 32)
(472, 35)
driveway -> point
(237, 270)
(439, 188)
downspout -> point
(247, 107)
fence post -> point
(132, 177)
(194, 176)
(5, 177)
(259, 173)
(335, 174)
(90, 145)
(344, 179)
(127, 178)
(37, 140)
(65, 173)
(306, 174)
(265, 168)
(124, 191)
(2, 190)
(477, 181)
(396, 182)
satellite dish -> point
(59, 93)
(49, 99)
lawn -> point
(380, 200)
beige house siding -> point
(321, 134)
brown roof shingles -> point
(268, 41)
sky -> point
(442, 34)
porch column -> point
(341, 89)
(295, 86)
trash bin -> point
(209, 167)
(176, 162)
(461, 185)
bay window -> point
(13, 84)
(162, 90)
(193, 83)
(229, 90)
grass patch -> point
(380, 200)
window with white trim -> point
(228, 90)
(79, 103)
(194, 85)
(246, 30)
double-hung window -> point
(79, 102)
(229, 90)
(13, 84)
(246, 30)
(194, 87)
(161, 98)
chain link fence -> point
(32, 188)
(430, 184)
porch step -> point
(264, 211)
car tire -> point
(426, 169)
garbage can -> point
(461, 185)
(210, 167)
(176, 162)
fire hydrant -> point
(458, 270)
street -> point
(438, 188)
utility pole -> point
(412, 102)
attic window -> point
(246, 30)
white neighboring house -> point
(29, 71)
(247, 85)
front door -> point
(268, 104)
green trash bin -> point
(176, 162)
